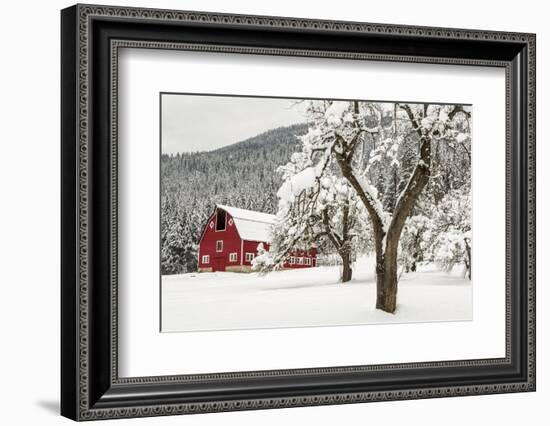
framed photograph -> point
(263, 212)
(260, 215)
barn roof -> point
(252, 226)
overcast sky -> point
(204, 123)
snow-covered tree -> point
(363, 139)
(263, 260)
(452, 231)
(316, 208)
(414, 242)
(342, 222)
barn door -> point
(219, 264)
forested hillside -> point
(241, 175)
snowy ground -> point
(307, 297)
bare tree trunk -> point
(469, 258)
(386, 285)
(386, 279)
(341, 244)
(346, 270)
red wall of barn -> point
(250, 247)
(231, 244)
(311, 254)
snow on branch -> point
(372, 195)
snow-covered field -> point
(307, 297)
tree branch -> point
(410, 193)
(376, 219)
(334, 238)
(412, 118)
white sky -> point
(204, 122)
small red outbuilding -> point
(230, 240)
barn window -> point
(300, 260)
(219, 245)
(307, 261)
(292, 260)
(220, 220)
(232, 257)
(206, 259)
(249, 257)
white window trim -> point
(205, 259)
(300, 260)
(233, 257)
(221, 249)
(292, 260)
(249, 257)
(307, 261)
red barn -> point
(230, 240)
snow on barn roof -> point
(252, 226)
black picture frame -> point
(90, 386)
